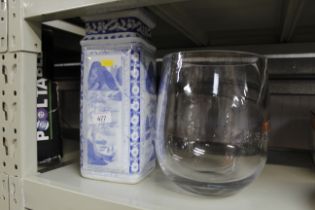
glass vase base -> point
(223, 189)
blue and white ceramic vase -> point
(118, 98)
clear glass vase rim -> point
(208, 52)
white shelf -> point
(279, 187)
(44, 10)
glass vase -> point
(212, 120)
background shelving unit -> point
(283, 29)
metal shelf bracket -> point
(20, 44)
(3, 26)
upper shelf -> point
(44, 10)
(227, 22)
(201, 23)
(279, 187)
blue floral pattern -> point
(100, 78)
(161, 109)
(150, 80)
(103, 98)
(151, 89)
(125, 24)
(100, 159)
(134, 165)
(111, 36)
(82, 139)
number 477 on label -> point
(101, 118)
